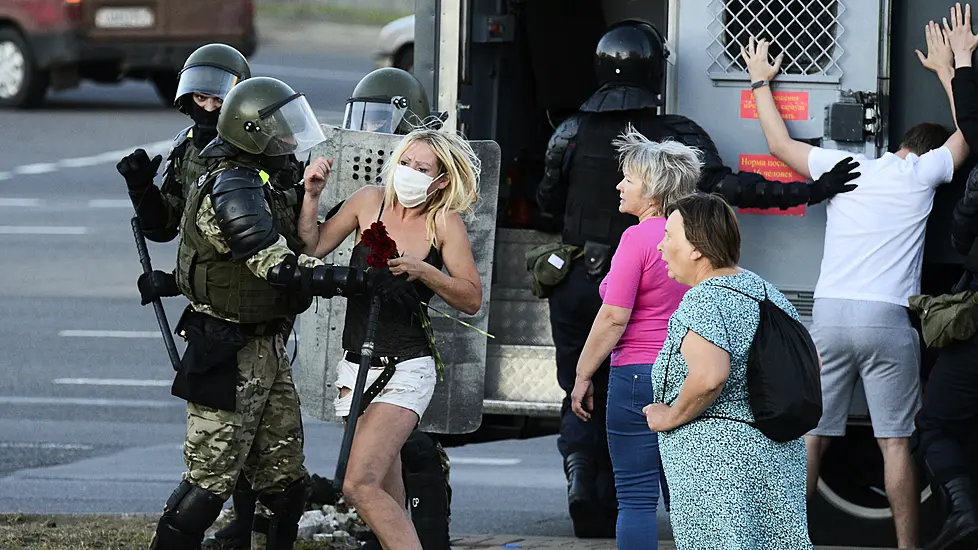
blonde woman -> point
(432, 181)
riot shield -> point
(456, 407)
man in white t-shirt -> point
(871, 264)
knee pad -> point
(287, 508)
(192, 509)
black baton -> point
(171, 348)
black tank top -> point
(398, 333)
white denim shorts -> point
(411, 387)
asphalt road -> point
(87, 424)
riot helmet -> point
(213, 70)
(265, 116)
(631, 52)
(387, 100)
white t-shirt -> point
(874, 235)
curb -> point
(315, 35)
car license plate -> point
(124, 18)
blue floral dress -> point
(731, 487)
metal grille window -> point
(807, 31)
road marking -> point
(478, 461)
(110, 334)
(302, 72)
(42, 230)
(152, 334)
(113, 382)
(108, 157)
(32, 445)
(81, 402)
(20, 202)
(110, 203)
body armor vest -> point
(207, 276)
(592, 200)
(186, 165)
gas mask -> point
(411, 186)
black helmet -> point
(631, 52)
(213, 70)
(264, 116)
(388, 100)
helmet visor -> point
(291, 129)
(206, 79)
(373, 115)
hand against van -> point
(315, 175)
(755, 55)
(962, 41)
(583, 391)
(939, 58)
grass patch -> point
(103, 532)
(336, 14)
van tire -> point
(33, 85)
(165, 83)
(404, 59)
(847, 509)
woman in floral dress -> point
(731, 487)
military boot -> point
(960, 530)
(582, 497)
(236, 535)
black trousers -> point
(574, 304)
(948, 418)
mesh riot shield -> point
(457, 403)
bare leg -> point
(815, 446)
(901, 488)
(381, 433)
(394, 483)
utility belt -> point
(949, 318)
(550, 263)
(208, 373)
(389, 364)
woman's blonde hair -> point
(668, 170)
(458, 163)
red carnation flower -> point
(382, 247)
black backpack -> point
(783, 383)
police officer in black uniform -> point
(948, 418)
(578, 195)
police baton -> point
(171, 347)
(366, 355)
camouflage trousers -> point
(262, 438)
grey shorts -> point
(873, 341)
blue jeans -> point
(634, 456)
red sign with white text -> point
(791, 105)
(775, 170)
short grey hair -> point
(668, 170)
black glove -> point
(393, 290)
(138, 169)
(156, 284)
(837, 179)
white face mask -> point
(411, 186)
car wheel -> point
(21, 83)
(850, 507)
(165, 83)
(405, 58)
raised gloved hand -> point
(156, 284)
(138, 169)
(394, 290)
(837, 179)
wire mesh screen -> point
(807, 31)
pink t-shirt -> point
(638, 281)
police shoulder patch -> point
(202, 179)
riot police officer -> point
(207, 76)
(237, 263)
(393, 101)
(578, 197)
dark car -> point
(57, 43)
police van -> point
(511, 71)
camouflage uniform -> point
(263, 436)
